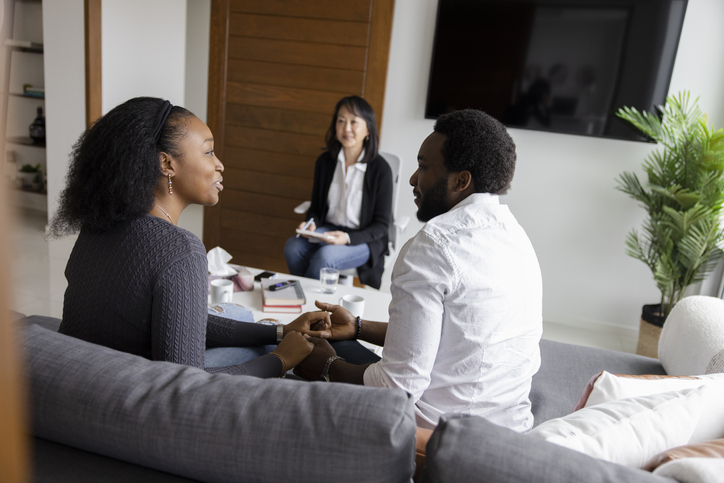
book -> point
(286, 297)
(282, 309)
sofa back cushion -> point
(217, 427)
(566, 369)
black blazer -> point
(374, 218)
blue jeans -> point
(306, 259)
(231, 356)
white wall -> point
(564, 191)
(144, 50)
(198, 25)
(63, 31)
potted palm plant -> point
(683, 199)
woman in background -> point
(351, 200)
(136, 282)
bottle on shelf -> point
(37, 128)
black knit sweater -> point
(141, 288)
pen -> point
(281, 285)
(307, 225)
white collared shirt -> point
(345, 193)
(465, 319)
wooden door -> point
(277, 68)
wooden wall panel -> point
(278, 119)
(275, 163)
(277, 68)
(292, 52)
(265, 183)
(293, 75)
(273, 141)
(283, 97)
(332, 9)
(299, 29)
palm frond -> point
(683, 196)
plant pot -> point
(650, 331)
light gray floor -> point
(39, 284)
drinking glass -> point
(328, 277)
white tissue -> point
(219, 263)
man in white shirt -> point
(465, 316)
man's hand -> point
(343, 323)
(311, 368)
(316, 324)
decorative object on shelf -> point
(25, 45)
(31, 177)
(37, 128)
(32, 91)
(683, 198)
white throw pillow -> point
(629, 431)
(610, 387)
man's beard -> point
(434, 202)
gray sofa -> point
(102, 415)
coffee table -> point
(376, 302)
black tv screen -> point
(563, 66)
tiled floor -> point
(39, 285)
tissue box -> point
(243, 281)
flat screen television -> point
(563, 66)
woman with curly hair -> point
(351, 200)
(136, 282)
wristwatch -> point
(327, 366)
(280, 333)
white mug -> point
(354, 303)
(222, 290)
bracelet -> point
(327, 366)
(359, 327)
(280, 333)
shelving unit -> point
(23, 66)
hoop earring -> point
(170, 191)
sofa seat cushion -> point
(214, 427)
(469, 448)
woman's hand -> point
(335, 238)
(343, 323)
(311, 227)
(311, 368)
(316, 324)
(292, 350)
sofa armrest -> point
(470, 448)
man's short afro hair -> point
(480, 144)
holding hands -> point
(304, 346)
(293, 349)
(343, 325)
(315, 324)
(311, 367)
